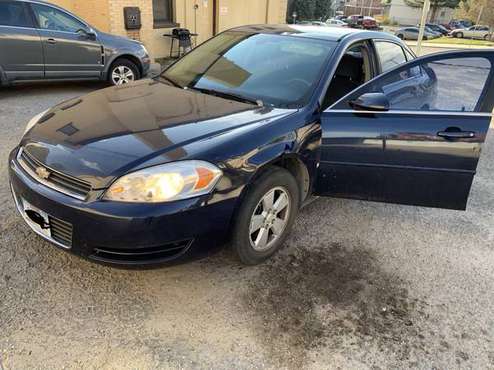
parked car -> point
(313, 23)
(341, 17)
(359, 21)
(336, 23)
(40, 41)
(230, 141)
(443, 31)
(474, 32)
(412, 33)
(460, 24)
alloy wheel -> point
(122, 75)
(269, 219)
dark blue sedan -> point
(234, 138)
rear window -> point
(14, 14)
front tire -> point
(401, 37)
(266, 216)
(122, 72)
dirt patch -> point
(336, 297)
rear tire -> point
(123, 71)
(266, 216)
(401, 37)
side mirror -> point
(90, 35)
(372, 102)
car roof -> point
(314, 32)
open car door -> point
(412, 135)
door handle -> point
(456, 134)
(51, 41)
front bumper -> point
(123, 233)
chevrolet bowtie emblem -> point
(43, 172)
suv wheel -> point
(266, 216)
(122, 72)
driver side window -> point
(55, 20)
(454, 84)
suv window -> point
(14, 14)
(53, 19)
(390, 55)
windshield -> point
(279, 71)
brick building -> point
(204, 17)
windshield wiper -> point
(170, 81)
(228, 95)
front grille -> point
(66, 184)
(158, 254)
(61, 231)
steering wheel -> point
(298, 83)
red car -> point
(360, 21)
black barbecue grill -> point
(184, 38)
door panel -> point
(21, 54)
(70, 55)
(399, 158)
(425, 149)
(25, 57)
(67, 53)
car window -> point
(281, 71)
(451, 84)
(14, 14)
(390, 55)
(409, 55)
(53, 19)
(354, 69)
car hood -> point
(110, 132)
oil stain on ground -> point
(335, 297)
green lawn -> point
(455, 41)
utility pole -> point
(423, 21)
(480, 14)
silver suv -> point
(41, 41)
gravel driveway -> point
(359, 285)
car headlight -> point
(144, 49)
(34, 121)
(165, 183)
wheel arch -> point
(127, 56)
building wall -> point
(107, 16)
(406, 15)
(95, 12)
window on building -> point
(163, 13)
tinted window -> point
(53, 19)
(455, 84)
(279, 70)
(14, 14)
(390, 55)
